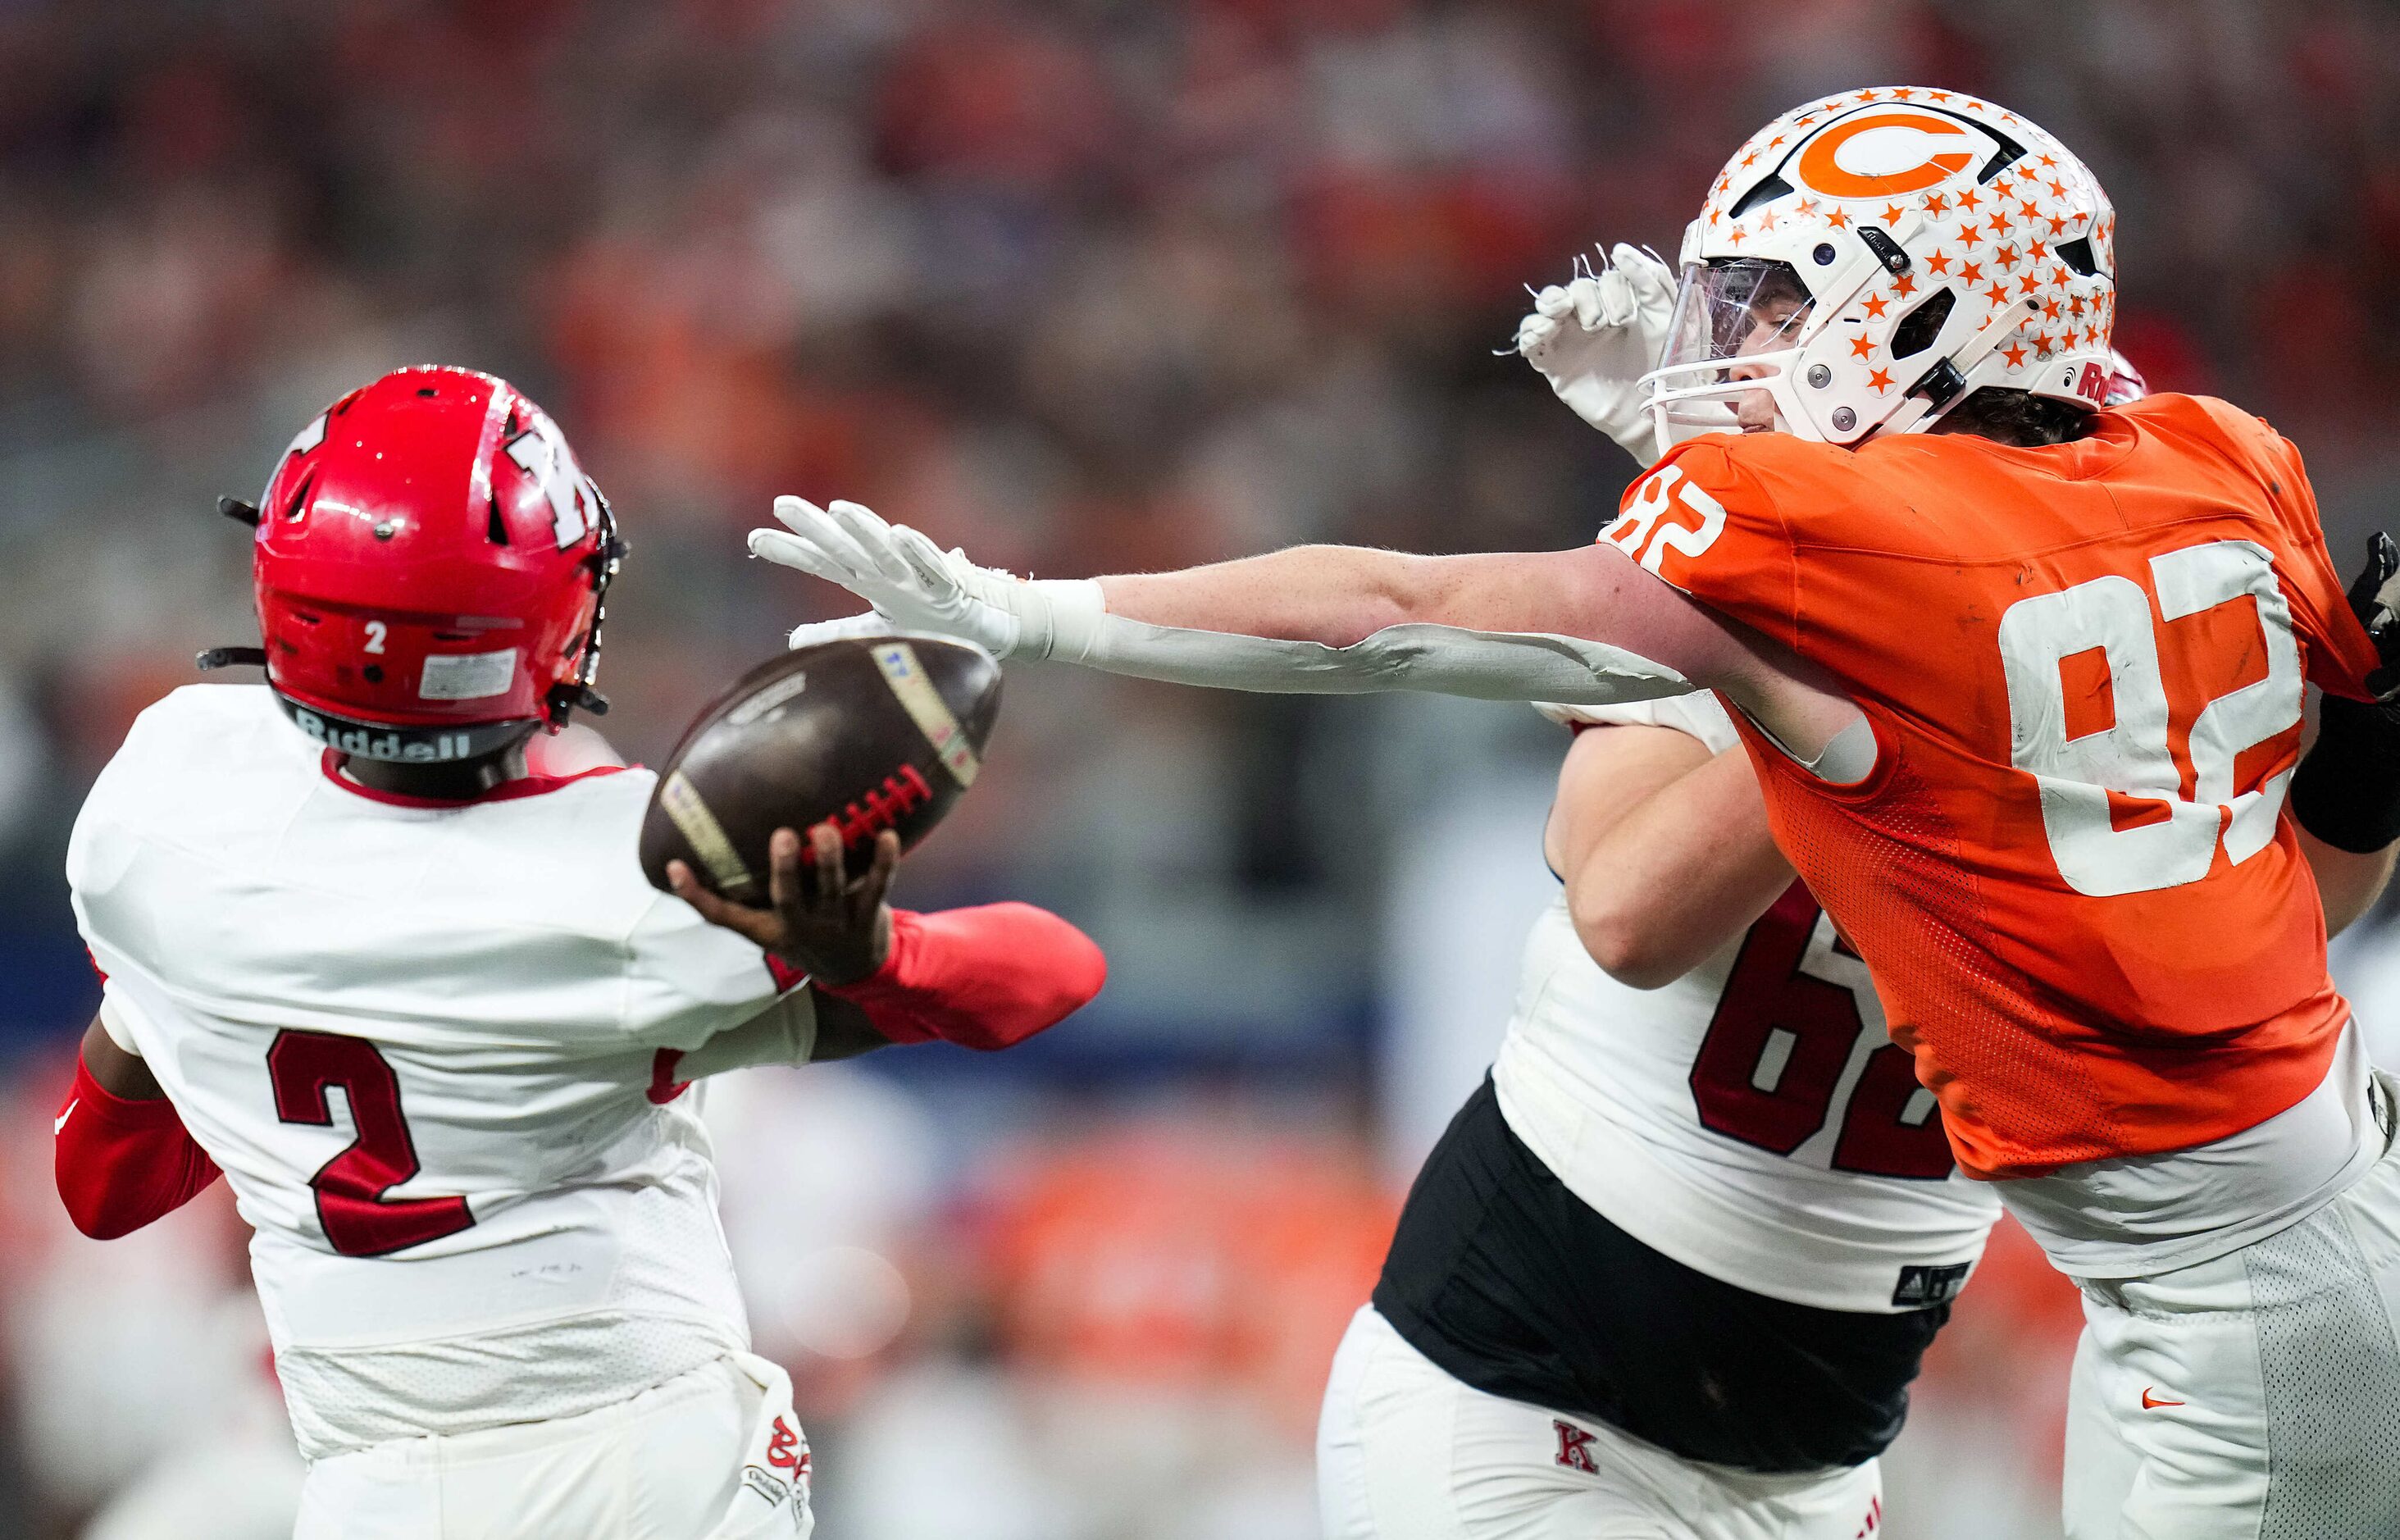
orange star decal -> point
(1938, 262)
(1736, 237)
(2030, 283)
(1766, 222)
(2006, 257)
(1967, 236)
(1778, 141)
(1903, 286)
(1937, 204)
(1937, 96)
(2016, 353)
(1998, 225)
(2057, 226)
(2029, 210)
(1892, 212)
(2050, 309)
(1866, 96)
(1861, 349)
(1838, 220)
(1875, 305)
(1998, 294)
(1751, 159)
(1971, 200)
(1903, 94)
(1880, 380)
(2036, 252)
(2048, 161)
(1972, 273)
(2058, 191)
(1806, 205)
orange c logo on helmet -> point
(1820, 166)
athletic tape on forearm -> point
(1070, 622)
(786, 1032)
(2347, 790)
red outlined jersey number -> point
(359, 1219)
(1772, 1066)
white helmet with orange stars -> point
(1867, 262)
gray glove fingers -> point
(785, 549)
(1591, 308)
(848, 628)
(834, 544)
(924, 558)
(873, 538)
(1651, 281)
(1552, 302)
(1534, 333)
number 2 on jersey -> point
(1776, 1049)
(2112, 800)
(358, 1221)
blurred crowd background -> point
(1085, 285)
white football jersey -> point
(421, 1041)
(1751, 1120)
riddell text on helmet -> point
(385, 745)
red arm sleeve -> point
(122, 1164)
(984, 978)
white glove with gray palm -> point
(1596, 335)
(912, 583)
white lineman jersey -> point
(421, 1041)
(1752, 1119)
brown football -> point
(883, 733)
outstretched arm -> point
(1318, 620)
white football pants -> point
(715, 1454)
(1404, 1451)
(2256, 1396)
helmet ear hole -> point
(299, 502)
(1919, 327)
(498, 527)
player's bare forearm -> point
(843, 1031)
(119, 1072)
(1663, 847)
(1338, 595)
(2348, 883)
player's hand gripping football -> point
(2375, 599)
(836, 930)
(909, 578)
(1595, 336)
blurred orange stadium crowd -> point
(1085, 285)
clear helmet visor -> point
(1735, 331)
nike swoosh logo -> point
(59, 1126)
(2151, 1403)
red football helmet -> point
(430, 568)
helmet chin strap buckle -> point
(228, 657)
(239, 510)
(566, 698)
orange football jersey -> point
(2069, 869)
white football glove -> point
(867, 626)
(1594, 338)
(911, 583)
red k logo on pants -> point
(1574, 1447)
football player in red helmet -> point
(492, 1268)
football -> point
(867, 735)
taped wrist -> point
(2347, 790)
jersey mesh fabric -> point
(2330, 1371)
(1598, 1079)
(2103, 1001)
